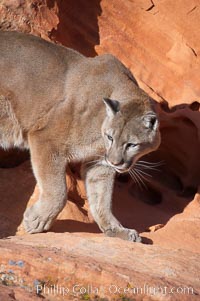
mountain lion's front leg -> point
(99, 182)
(49, 169)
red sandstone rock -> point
(28, 16)
(155, 227)
(84, 256)
(16, 293)
(159, 41)
(92, 261)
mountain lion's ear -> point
(150, 121)
(112, 106)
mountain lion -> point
(65, 107)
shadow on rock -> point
(16, 186)
(78, 25)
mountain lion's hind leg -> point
(49, 169)
(99, 182)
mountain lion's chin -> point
(123, 170)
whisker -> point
(141, 177)
(146, 167)
(92, 162)
(143, 172)
(138, 174)
(155, 164)
(138, 179)
(133, 176)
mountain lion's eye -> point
(131, 145)
(109, 137)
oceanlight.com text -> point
(78, 289)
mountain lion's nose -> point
(117, 163)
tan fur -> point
(66, 108)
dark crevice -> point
(75, 30)
(151, 7)
(159, 95)
(13, 157)
(192, 49)
(191, 10)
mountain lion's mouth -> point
(122, 170)
(119, 169)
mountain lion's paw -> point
(35, 222)
(132, 235)
(126, 234)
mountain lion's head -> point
(129, 131)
